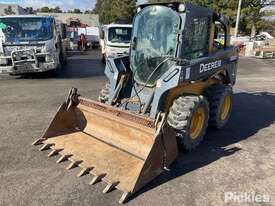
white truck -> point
(115, 40)
(31, 44)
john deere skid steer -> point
(176, 81)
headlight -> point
(46, 49)
(17, 56)
(39, 49)
(49, 58)
(181, 8)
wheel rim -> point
(197, 123)
(225, 108)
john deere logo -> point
(210, 66)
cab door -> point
(196, 37)
(197, 47)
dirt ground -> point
(239, 158)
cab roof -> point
(188, 7)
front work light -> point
(181, 8)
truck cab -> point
(115, 40)
(30, 44)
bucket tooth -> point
(38, 142)
(54, 152)
(63, 158)
(124, 197)
(110, 186)
(46, 147)
(97, 178)
(73, 164)
(84, 171)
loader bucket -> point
(123, 149)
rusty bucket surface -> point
(123, 149)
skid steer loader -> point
(176, 80)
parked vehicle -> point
(92, 34)
(115, 40)
(31, 44)
(263, 39)
(161, 98)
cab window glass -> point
(196, 38)
(219, 36)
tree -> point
(30, 10)
(77, 11)
(115, 10)
(124, 10)
(98, 6)
(251, 14)
(57, 10)
(269, 26)
(88, 12)
(9, 11)
(45, 9)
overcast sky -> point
(64, 4)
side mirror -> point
(134, 43)
(102, 34)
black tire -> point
(63, 59)
(65, 62)
(216, 96)
(103, 59)
(104, 93)
(57, 71)
(181, 116)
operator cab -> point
(172, 44)
(166, 32)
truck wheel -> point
(65, 62)
(104, 93)
(63, 59)
(57, 71)
(220, 98)
(189, 117)
(103, 58)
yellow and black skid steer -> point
(175, 83)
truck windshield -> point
(120, 34)
(155, 36)
(21, 29)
